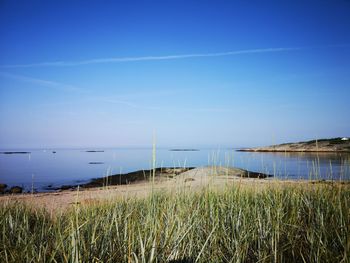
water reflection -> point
(312, 156)
(302, 165)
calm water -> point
(43, 167)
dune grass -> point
(279, 223)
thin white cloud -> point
(117, 101)
(148, 58)
(169, 108)
(167, 57)
(127, 103)
(44, 83)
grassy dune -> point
(278, 223)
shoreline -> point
(333, 145)
(134, 177)
(165, 179)
(196, 179)
(291, 151)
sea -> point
(45, 169)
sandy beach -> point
(190, 180)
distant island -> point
(340, 144)
(15, 152)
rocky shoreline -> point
(336, 145)
(13, 190)
(141, 184)
(158, 175)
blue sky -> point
(195, 73)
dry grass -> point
(239, 222)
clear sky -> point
(195, 73)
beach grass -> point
(277, 223)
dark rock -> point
(2, 188)
(141, 175)
(16, 190)
(50, 187)
(32, 192)
(66, 187)
(250, 174)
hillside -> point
(323, 145)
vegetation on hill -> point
(319, 145)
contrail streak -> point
(147, 58)
(44, 83)
(166, 57)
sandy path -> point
(192, 180)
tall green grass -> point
(295, 223)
